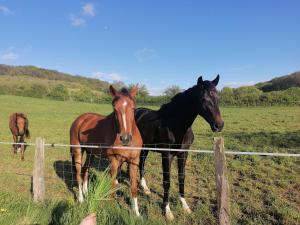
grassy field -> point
(264, 190)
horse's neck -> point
(114, 124)
(182, 118)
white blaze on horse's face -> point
(124, 115)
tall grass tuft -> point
(99, 195)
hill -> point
(51, 75)
(280, 83)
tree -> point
(59, 92)
(143, 91)
(172, 90)
(119, 85)
(37, 91)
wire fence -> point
(247, 174)
(171, 148)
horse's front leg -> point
(143, 156)
(181, 177)
(133, 173)
(114, 167)
(166, 164)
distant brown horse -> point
(18, 125)
(116, 129)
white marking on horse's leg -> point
(135, 206)
(19, 149)
(185, 206)
(80, 195)
(124, 121)
(145, 187)
(85, 187)
(169, 214)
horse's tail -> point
(27, 133)
(73, 160)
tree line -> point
(242, 96)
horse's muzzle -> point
(217, 127)
(126, 139)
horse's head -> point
(124, 106)
(207, 102)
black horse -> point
(170, 127)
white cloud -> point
(77, 21)
(145, 54)
(5, 11)
(109, 76)
(88, 9)
(9, 55)
(80, 19)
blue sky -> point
(157, 43)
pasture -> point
(264, 190)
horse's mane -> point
(124, 92)
(181, 100)
(178, 102)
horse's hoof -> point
(147, 191)
(187, 210)
(169, 216)
(80, 199)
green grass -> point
(264, 190)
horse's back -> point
(147, 121)
(90, 128)
(12, 123)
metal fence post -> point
(222, 184)
(38, 181)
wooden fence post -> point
(38, 181)
(223, 199)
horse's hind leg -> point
(166, 164)
(77, 157)
(22, 147)
(15, 146)
(85, 171)
(181, 159)
(143, 157)
(133, 172)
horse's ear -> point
(112, 91)
(200, 81)
(216, 80)
(134, 90)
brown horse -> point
(18, 125)
(116, 129)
